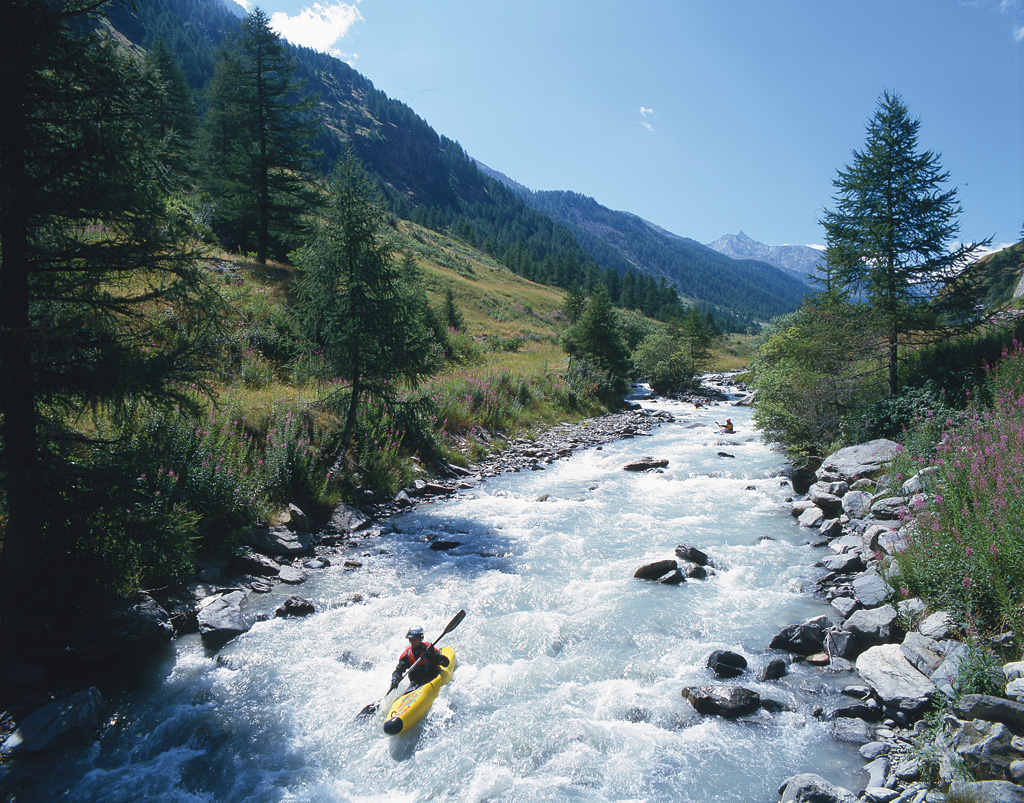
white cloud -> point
(644, 113)
(318, 26)
(1019, 34)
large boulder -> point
(222, 618)
(853, 462)
(723, 701)
(811, 788)
(896, 682)
(74, 717)
(875, 625)
(805, 638)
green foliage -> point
(889, 234)
(812, 377)
(980, 672)
(967, 549)
(662, 360)
(101, 302)
(597, 339)
(366, 313)
(256, 141)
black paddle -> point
(371, 709)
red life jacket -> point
(410, 655)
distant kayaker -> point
(727, 427)
(425, 670)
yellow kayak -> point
(411, 707)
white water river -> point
(569, 670)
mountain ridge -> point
(799, 260)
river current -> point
(569, 671)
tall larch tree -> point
(257, 139)
(893, 234)
(355, 301)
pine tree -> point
(889, 236)
(596, 337)
(257, 135)
(354, 301)
(85, 248)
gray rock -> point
(832, 528)
(830, 504)
(845, 605)
(987, 791)
(291, 575)
(924, 653)
(986, 748)
(1015, 689)
(811, 788)
(728, 702)
(222, 618)
(991, 709)
(841, 643)
(911, 608)
(849, 563)
(279, 541)
(896, 682)
(890, 507)
(854, 462)
(946, 675)
(857, 504)
(875, 625)
(872, 750)
(880, 794)
(877, 770)
(805, 638)
(296, 520)
(844, 543)
(1014, 670)
(855, 731)
(871, 590)
(937, 626)
(347, 519)
(919, 482)
(74, 717)
(812, 517)
(799, 507)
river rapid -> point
(569, 671)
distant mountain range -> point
(798, 260)
(625, 241)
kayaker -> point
(727, 427)
(422, 672)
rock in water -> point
(723, 701)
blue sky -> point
(702, 116)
